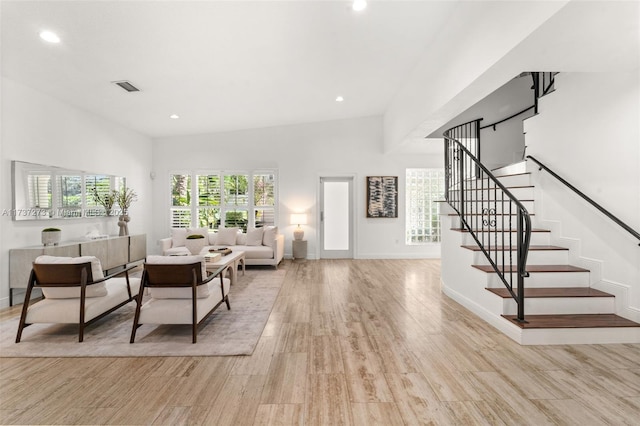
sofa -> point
(262, 246)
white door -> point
(336, 218)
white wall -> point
(40, 129)
(458, 68)
(301, 153)
(588, 132)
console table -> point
(114, 252)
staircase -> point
(560, 305)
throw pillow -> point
(178, 237)
(178, 292)
(227, 236)
(254, 236)
(269, 238)
(96, 290)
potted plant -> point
(195, 243)
(106, 200)
(124, 197)
(51, 236)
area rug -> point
(225, 332)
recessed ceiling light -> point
(339, 99)
(49, 36)
(174, 116)
(359, 5)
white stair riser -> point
(515, 180)
(545, 279)
(537, 238)
(480, 206)
(484, 193)
(561, 305)
(515, 168)
(579, 336)
(535, 257)
(491, 222)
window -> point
(424, 187)
(223, 199)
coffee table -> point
(232, 260)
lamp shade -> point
(298, 219)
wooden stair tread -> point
(489, 214)
(548, 292)
(572, 321)
(506, 230)
(501, 248)
(493, 187)
(536, 268)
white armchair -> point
(180, 292)
(75, 292)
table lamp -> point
(298, 219)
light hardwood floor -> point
(348, 342)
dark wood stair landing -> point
(501, 248)
(572, 321)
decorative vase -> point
(123, 221)
(195, 245)
(51, 237)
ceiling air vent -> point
(126, 85)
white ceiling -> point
(219, 65)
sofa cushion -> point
(269, 238)
(178, 237)
(94, 290)
(241, 239)
(178, 292)
(227, 236)
(254, 236)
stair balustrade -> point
(480, 200)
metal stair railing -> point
(498, 222)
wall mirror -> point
(43, 192)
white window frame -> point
(224, 208)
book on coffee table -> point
(212, 257)
(223, 250)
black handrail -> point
(486, 209)
(507, 119)
(587, 199)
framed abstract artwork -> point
(382, 196)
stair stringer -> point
(621, 291)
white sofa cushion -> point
(254, 236)
(67, 311)
(94, 290)
(178, 311)
(227, 236)
(178, 237)
(178, 292)
(269, 238)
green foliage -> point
(125, 197)
(181, 190)
(106, 200)
(51, 230)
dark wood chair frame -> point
(68, 275)
(173, 276)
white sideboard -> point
(114, 252)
